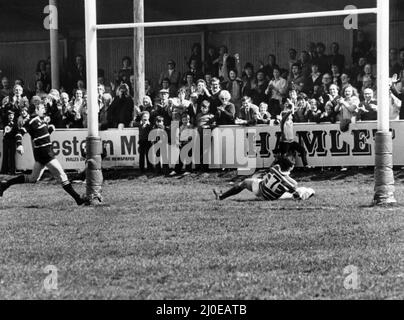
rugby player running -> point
(40, 131)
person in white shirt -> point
(277, 87)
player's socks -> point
(4, 185)
(69, 189)
(17, 180)
(232, 192)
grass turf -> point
(164, 238)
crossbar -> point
(275, 17)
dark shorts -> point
(44, 155)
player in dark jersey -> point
(40, 131)
(276, 184)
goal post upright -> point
(384, 174)
(94, 177)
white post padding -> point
(94, 177)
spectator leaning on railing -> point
(367, 110)
(226, 111)
(264, 117)
(249, 112)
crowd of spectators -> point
(316, 84)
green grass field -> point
(164, 238)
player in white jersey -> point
(276, 184)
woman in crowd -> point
(74, 113)
(259, 88)
(183, 104)
(226, 111)
(147, 105)
(347, 107)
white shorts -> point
(304, 193)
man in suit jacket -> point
(248, 113)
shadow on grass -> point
(384, 206)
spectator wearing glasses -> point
(367, 110)
(225, 114)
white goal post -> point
(384, 178)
